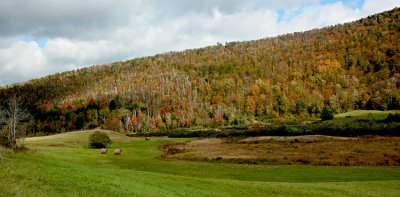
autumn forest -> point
(291, 77)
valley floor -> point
(62, 165)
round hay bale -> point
(117, 151)
(103, 151)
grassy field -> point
(61, 165)
(366, 114)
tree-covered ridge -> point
(293, 76)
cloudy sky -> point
(41, 37)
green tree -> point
(93, 117)
(327, 113)
(115, 104)
(80, 121)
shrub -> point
(99, 139)
(393, 118)
(326, 114)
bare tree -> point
(11, 116)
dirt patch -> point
(60, 145)
(309, 150)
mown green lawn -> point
(63, 166)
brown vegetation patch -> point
(60, 145)
(308, 150)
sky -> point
(42, 37)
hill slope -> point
(345, 67)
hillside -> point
(351, 66)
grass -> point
(61, 165)
(366, 114)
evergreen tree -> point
(327, 113)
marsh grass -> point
(299, 150)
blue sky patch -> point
(41, 43)
(286, 15)
(350, 3)
(281, 14)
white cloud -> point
(21, 61)
(373, 6)
(317, 16)
(64, 51)
(103, 31)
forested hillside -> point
(344, 67)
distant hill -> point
(345, 67)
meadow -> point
(62, 165)
(365, 115)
